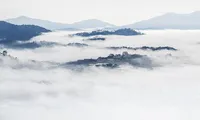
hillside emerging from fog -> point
(11, 33)
(122, 32)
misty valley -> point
(99, 59)
(101, 74)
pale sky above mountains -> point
(117, 12)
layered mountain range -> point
(165, 21)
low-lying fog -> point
(168, 91)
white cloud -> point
(169, 92)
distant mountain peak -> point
(21, 20)
(92, 23)
(196, 12)
(170, 21)
(22, 17)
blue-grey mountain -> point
(12, 33)
(169, 21)
(85, 24)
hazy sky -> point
(118, 12)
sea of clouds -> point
(32, 88)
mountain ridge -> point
(24, 20)
(84, 24)
(169, 21)
(11, 33)
(166, 21)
